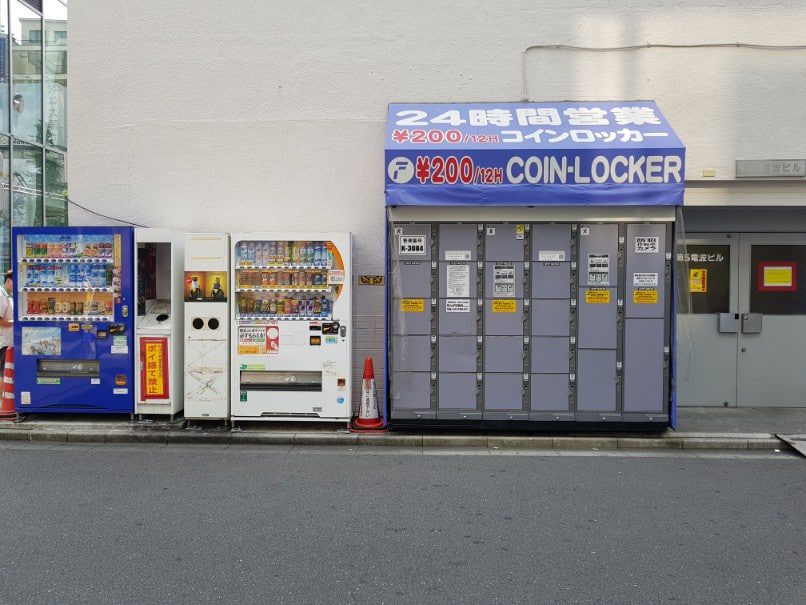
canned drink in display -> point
(287, 306)
(51, 305)
(317, 253)
(242, 251)
(108, 306)
(79, 308)
(71, 308)
(250, 251)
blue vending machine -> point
(73, 324)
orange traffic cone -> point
(7, 394)
(369, 417)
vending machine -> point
(74, 319)
(158, 349)
(207, 358)
(292, 324)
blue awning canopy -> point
(608, 153)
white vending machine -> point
(292, 326)
(207, 359)
(158, 347)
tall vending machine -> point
(74, 319)
(292, 323)
(207, 356)
(158, 349)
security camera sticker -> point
(647, 245)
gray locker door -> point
(550, 355)
(457, 391)
(551, 317)
(597, 320)
(551, 280)
(457, 320)
(415, 239)
(550, 393)
(411, 322)
(646, 266)
(551, 242)
(503, 323)
(643, 365)
(503, 354)
(503, 391)
(496, 287)
(410, 390)
(463, 280)
(411, 279)
(411, 353)
(596, 380)
(457, 242)
(501, 243)
(457, 354)
(598, 255)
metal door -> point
(708, 321)
(772, 305)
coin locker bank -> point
(529, 265)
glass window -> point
(26, 184)
(5, 217)
(55, 107)
(26, 72)
(55, 189)
(4, 66)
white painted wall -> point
(214, 115)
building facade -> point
(33, 115)
(205, 117)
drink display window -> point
(287, 279)
(68, 277)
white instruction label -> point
(598, 270)
(457, 255)
(411, 244)
(645, 280)
(551, 256)
(25, 398)
(504, 280)
(457, 305)
(647, 245)
(120, 391)
(458, 281)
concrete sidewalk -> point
(698, 428)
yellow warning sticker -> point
(597, 296)
(505, 305)
(646, 296)
(520, 230)
(412, 305)
(698, 281)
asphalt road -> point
(193, 524)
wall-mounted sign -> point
(370, 280)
